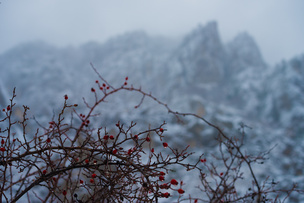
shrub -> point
(72, 160)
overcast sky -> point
(276, 25)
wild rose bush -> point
(72, 160)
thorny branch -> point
(77, 162)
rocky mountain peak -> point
(245, 53)
(202, 55)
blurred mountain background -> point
(226, 83)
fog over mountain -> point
(226, 83)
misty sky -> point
(276, 25)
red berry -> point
(14, 140)
(104, 85)
(91, 180)
(165, 144)
(174, 182)
(101, 88)
(87, 161)
(129, 151)
(3, 109)
(166, 194)
(148, 139)
(221, 174)
(8, 108)
(44, 171)
(2, 141)
(164, 186)
(161, 178)
(126, 78)
(94, 175)
(64, 192)
(203, 160)
(81, 182)
(195, 201)
(162, 173)
(111, 137)
(66, 97)
(108, 87)
(117, 124)
(95, 162)
(180, 191)
(114, 151)
(106, 137)
(48, 140)
(161, 130)
(97, 81)
(2, 149)
(135, 137)
(92, 89)
(54, 179)
(152, 150)
(125, 83)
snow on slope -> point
(225, 83)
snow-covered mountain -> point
(226, 83)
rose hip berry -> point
(161, 178)
(165, 144)
(162, 173)
(203, 160)
(174, 182)
(180, 191)
(166, 194)
(94, 175)
(164, 186)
